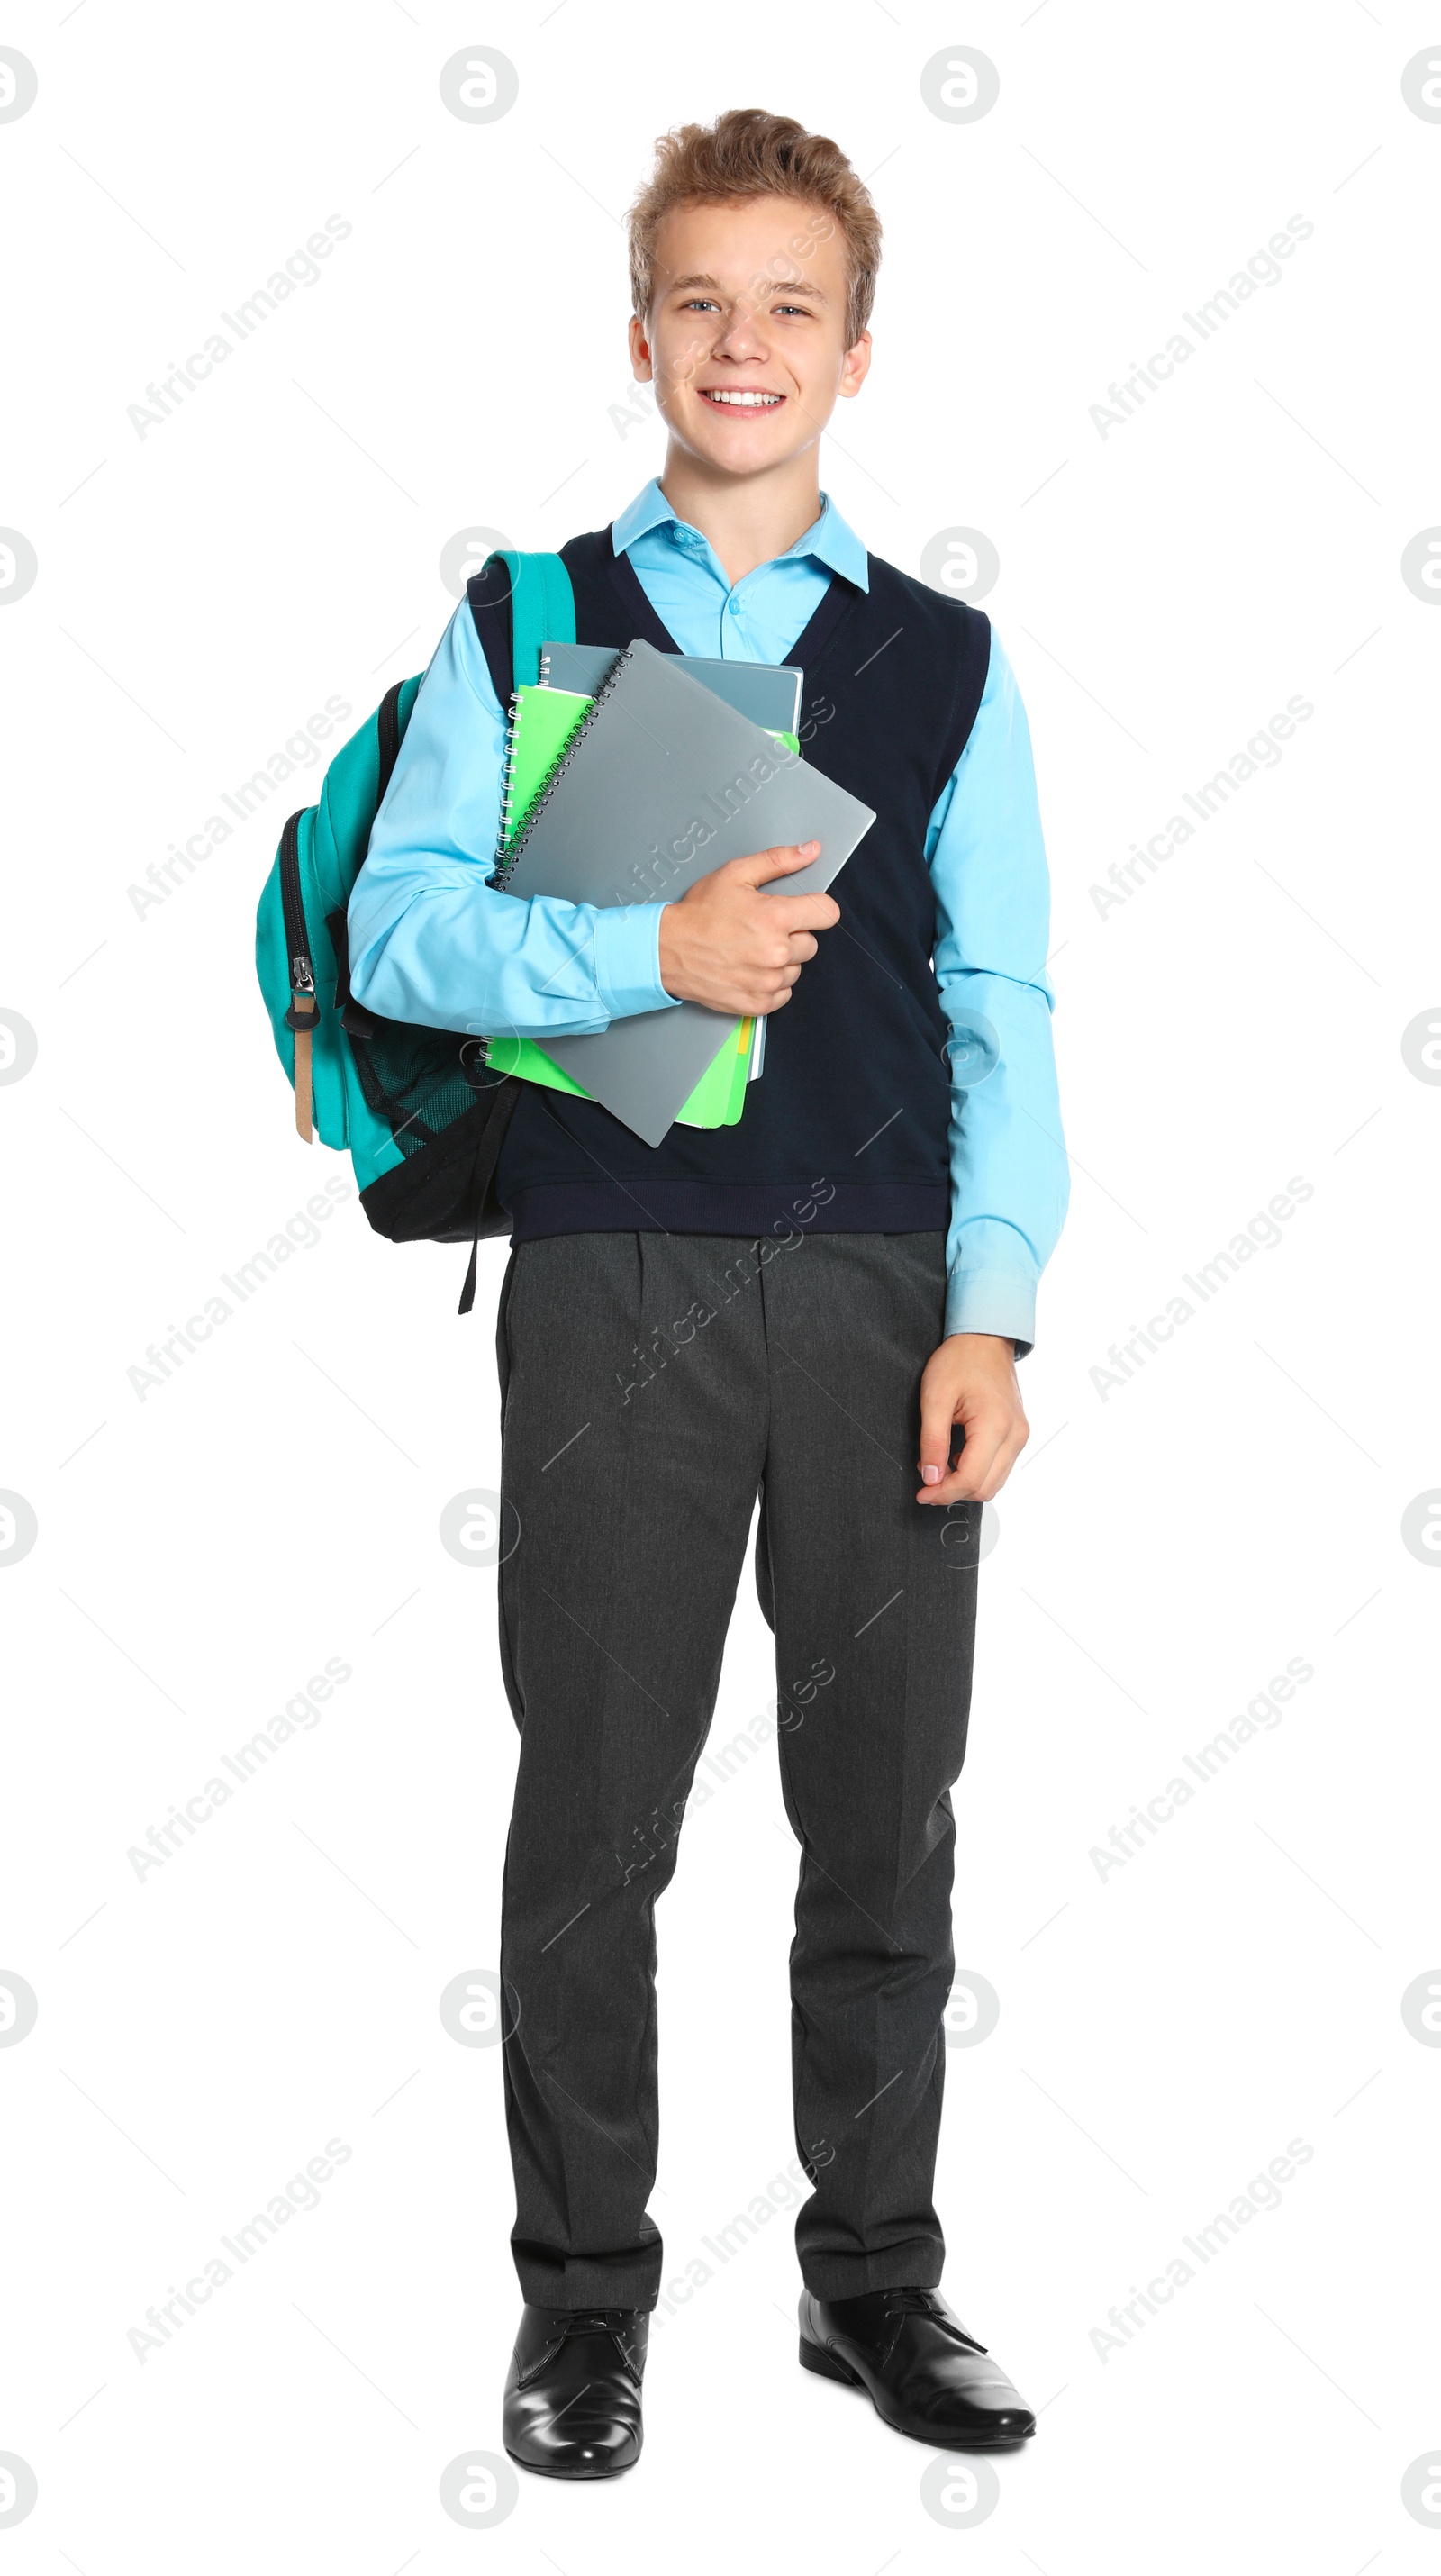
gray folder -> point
(768, 692)
(662, 783)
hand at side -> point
(969, 1384)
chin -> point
(739, 447)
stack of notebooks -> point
(629, 775)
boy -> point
(835, 1287)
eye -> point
(700, 304)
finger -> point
(775, 1003)
(756, 988)
(938, 1430)
(992, 1448)
(781, 861)
(805, 911)
(986, 1433)
(802, 946)
(966, 1484)
(962, 1482)
(950, 1490)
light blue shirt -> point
(430, 941)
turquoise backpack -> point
(420, 1111)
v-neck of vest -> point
(812, 642)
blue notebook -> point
(769, 693)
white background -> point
(1164, 2031)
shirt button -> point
(734, 606)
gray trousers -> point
(651, 1386)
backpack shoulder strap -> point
(520, 601)
(542, 604)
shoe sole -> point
(828, 2365)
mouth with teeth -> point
(732, 398)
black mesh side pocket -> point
(415, 1079)
(419, 1080)
(446, 1111)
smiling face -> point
(745, 341)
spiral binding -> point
(507, 779)
(509, 858)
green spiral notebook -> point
(542, 721)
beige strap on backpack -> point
(304, 1126)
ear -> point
(855, 367)
(642, 367)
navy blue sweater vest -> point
(847, 1129)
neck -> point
(748, 521)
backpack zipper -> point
(297, 937)
(301, 1016)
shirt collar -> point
(830, 540)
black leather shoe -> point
(572, 2400)
(926, 2376)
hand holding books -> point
(726, 945)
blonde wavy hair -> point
(749, 153)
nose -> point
(742, 340)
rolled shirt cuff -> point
(627, 961)
(993, 1301)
